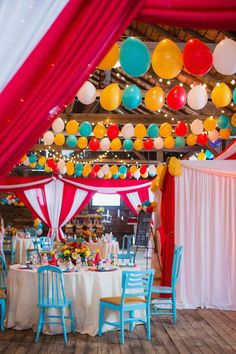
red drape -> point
(167, 227)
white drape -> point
(23, 24)
(33, 196)
(205, 224)
(54, 197)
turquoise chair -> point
(140, 283)
(158, 305)
(2, 308)
(8, 248)
(51, 294)
(36, 248)
(46, 244)
(127, 254)
(3, 273)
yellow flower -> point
(66, 253)
(87, 253)
(74, 255)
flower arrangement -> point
(10, 231)
(72, 250)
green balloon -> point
(179, 141)
(71, 141)
(153, 131)
(128, 144)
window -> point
(106, 199)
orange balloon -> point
(110, 58)
(155, 98)
(138, 144)
(191, 139)
(224, 133)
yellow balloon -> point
(154, 98)
(201, 156)
(99, 131)
(69, 165)
(59, 139)
(144, 175)
(140, 131)
(110, 97)
(133, 169)
(72, 127)
(209, 124)
(233, 120)
(167, 60)
(42, 160)
(87, 168)
(221, 95)
(82, 142)
(108, 175)
(165, 130)
(85, 173)
(116, 144)
(138, 144)
(47, 169)
(70, 171)
(110, 59)
(191, 139)
(224, 133)
(169, 142)
(123, 176)
(33, 165)
(114, 169)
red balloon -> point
(148, 144)
(181, 128)
(94, 144)
(143, 169)
(176, 97)
(93, 174)
(129, 174)
(113, 131)
(96, 168)
(51, 163)
(202, 139)
(197, 57)
(149, 209)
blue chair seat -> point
(51, 302)
(116, 300)
(162, 289)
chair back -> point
(137, 283)
(51, 291)
(178, 251)
(37, 244)
(3, 273)
(128, 242)
(7, 243)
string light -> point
(160, 80)
(232, 81)
(168, 82)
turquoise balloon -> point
(146, 203)
(85, 129)
(223, 121)
(79, 166)
(234, 95)
(128, 144)
(134, 57)
(131, 97)
(233, 130)
(179, 141)
(123, 169)
(71, 141)
(32, 158)
(209, 155)
(115, 176)
(39, 167)
(78, 173)
(153, 131)
(152, 174)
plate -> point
(104, 270)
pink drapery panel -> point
(55, 70)
(217, 14)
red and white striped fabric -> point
(229, 153)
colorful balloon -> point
(71, 141)
(128, 144)
(132, 97)
(114, 169)
(224, 57)
(179, 141)
(85, 129)
(138, 144)
(209, 124)
(134, 57)
(233, 120)
(181, 128)
(140, 131)
(201, 156)
(197, 57)
(82, 142)
(202, 139)
(96, 168)
(158, 143)
(94, 144)
(123, 169)
(176, 97)
(213, 135)
(72, 127)
(113, 131)
(169, 142)
(87, 93)
(224, 133)
(234, 95)
(110, 97)
(127, 131)
(99, 131)
(105, 144)
(42, 160)
(165, 130)
(167, 59)
(148, 144)
(221, 95)
(116, 144)
(154, 98)
(223, 121)
(191, 140)
(32, 158)
(209, 155)
(48, 138)
(59, 139)
(197, 97)
(58, 125)
(196, 126)
(153, 131)
(110, 58)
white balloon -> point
(105, 169)
(61, 164)
(48, 138)
(213, 135)
(26, 162)
(62, 170)
(197, 97)
(39, 232)
(196, 127)
(100, 174)
(158, 143)
(137, 174)
(127, 131)
(58, 125)
(152, 170)
(224, 57)
(105, 144)
(87, 93)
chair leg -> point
(131, 325)
(40, 324)
(72, 318)
(101, 318)
(148, 325)
(63, 325)
(3, 306)
(122, 328)
(174, 308)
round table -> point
(105, 248)
(85, 288)
(21, 246)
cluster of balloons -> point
(11, 199)
(147, 207)
(207, 155)
(38, 225)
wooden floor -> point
(197, 331)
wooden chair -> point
(51, 294)
(158, 305)
(2, 308)
(3, 273)
(140, 283)
(8, 248)
(127, 254)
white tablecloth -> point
(21, 246)
(105, 248)
(84, 287)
